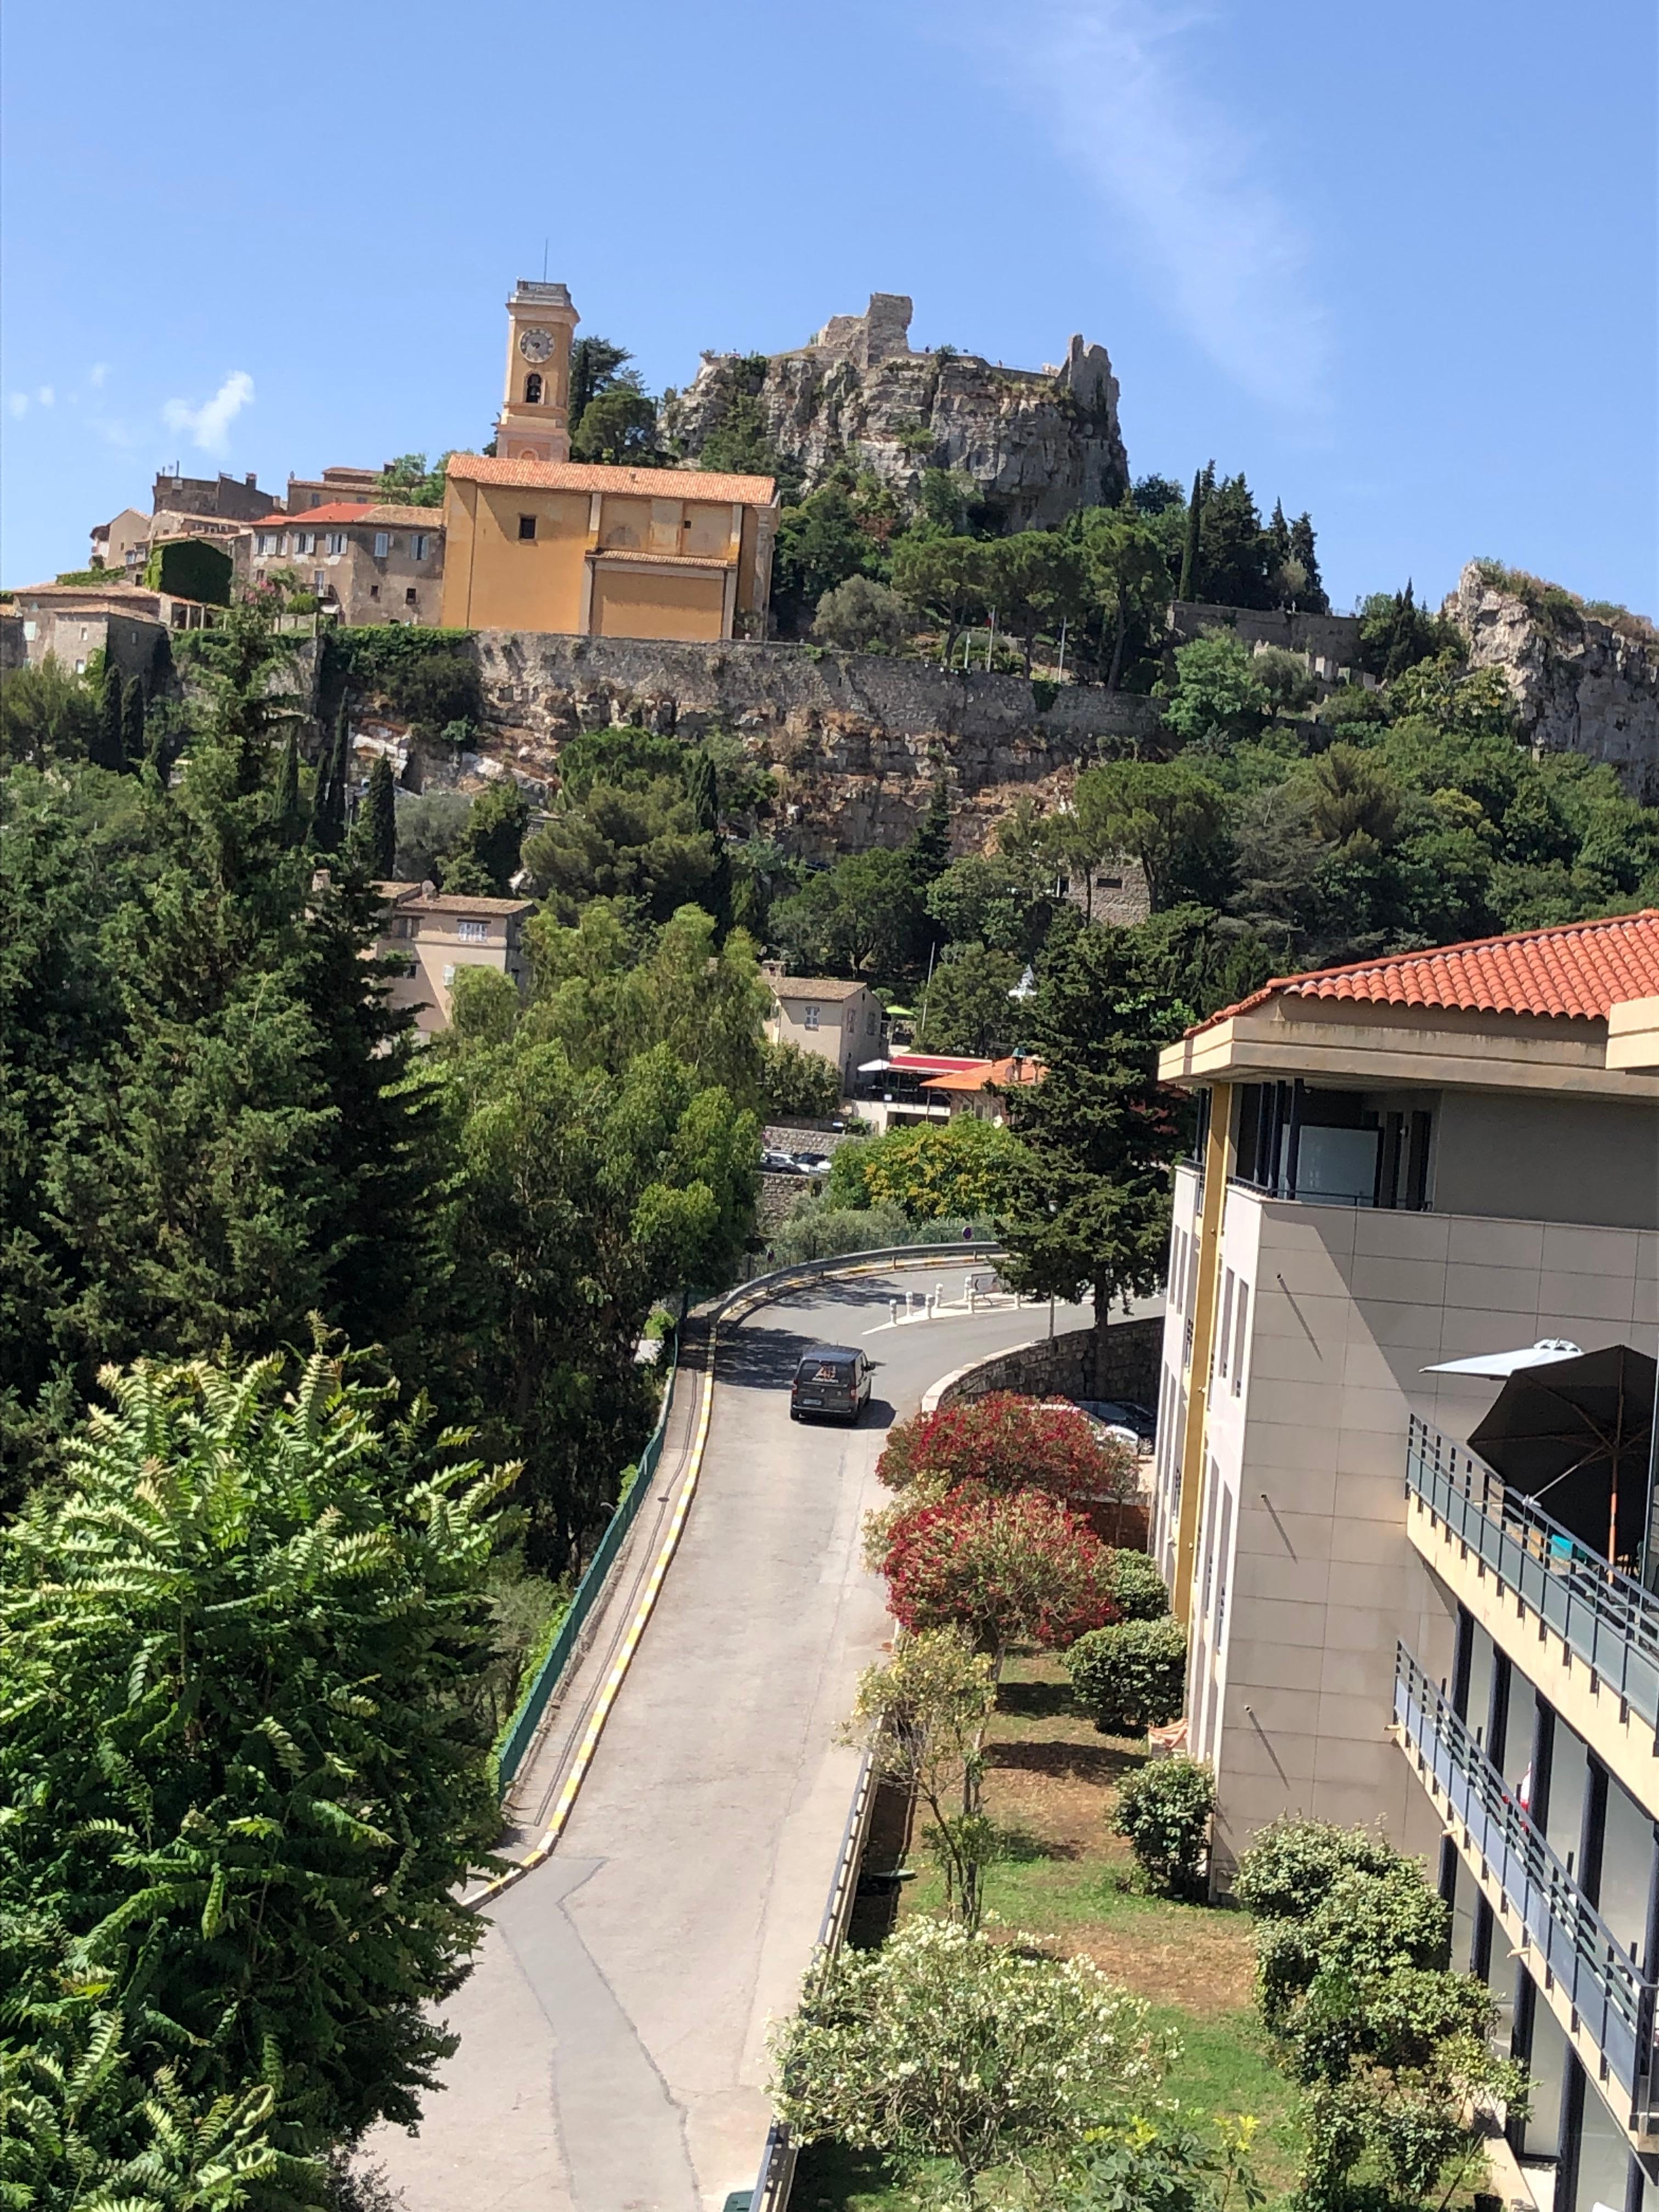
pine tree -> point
(1094, 1210)
(289, 810)
(378, 823)
(484, 863)
(132, 723)
(107, 747)
(1189, 583)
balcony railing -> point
(1604, 1617)
(1574, 1953)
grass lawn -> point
(1050, 1785)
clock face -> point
(535, 345)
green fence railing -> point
(533, 1704)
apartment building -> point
(1410, 1171)
(366, 562)
(432, 934)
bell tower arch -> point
(534, 424)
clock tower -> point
(534, 421)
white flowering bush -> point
(945, 2044)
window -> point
(316, 499)
(473, 932)
(267, 542)
(337, 541)
(373, 591)
(318, 581)
(382, 544)
(526, 528)
(869, 1024)
(417, 546)
(409, 597)
(80, 667)
(1239, 1319)
(1225, 1329)
(532, 390)
(810, 1018)
(449, 975)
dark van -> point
(832, 1381)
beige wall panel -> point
(671, 603)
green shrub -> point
(1366, 1926)
(1138, 1591)
(1044, 692)
(1291, 1867)
(1132, 1676)
(1164, 1811)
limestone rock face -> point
(1039, 443)
(1581, 685)
(853, 742)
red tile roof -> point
(1000, 1072)
(308, 518)
(596, 475)
(1579, 969)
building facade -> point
(980, 1092)
(434, 934)
(365, 563)
(837, 1021)
(1434, 1158)
(537, 542)
(361, 487)
(230, 499)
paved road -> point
(613, 2036)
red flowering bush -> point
(1015, 1569)
(1004, 1442)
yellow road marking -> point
(613, 1680)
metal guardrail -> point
(533, 1704)
(1576, 1949)
(522, 1728)
(1604, 1617)
(777, 2167)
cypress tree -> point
(329, 817)
(1189, 550)
(289, 809)
(703, 791)
(377, 824)
(132, 723)
(930, 847)
(107, 747)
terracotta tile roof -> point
(311, 518)
(1002, 1074)
(406, 518)
(1578, 968)
(814, 986)
(410, 898)
(593, 475)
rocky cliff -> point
(1582, 683)
(1038, 442)
(853, 741)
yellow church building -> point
(536, 541)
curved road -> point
(613, 2035)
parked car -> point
(1136, 1423)
(831, 1380)
(776, 1163)
(812, 1163)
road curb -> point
(736, 1306)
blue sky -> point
(1395, 264)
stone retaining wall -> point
(1121, 1362)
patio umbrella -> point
(1574, 1435)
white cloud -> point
(96, 374)
(1172, 168)
(209, 424)
(45, 395)
(18, 402)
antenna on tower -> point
(544, 246)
